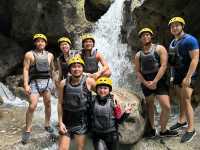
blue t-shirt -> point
(186, 44)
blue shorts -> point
(41, 85)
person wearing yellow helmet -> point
(64, 44)
(183, 59)
(150, 67)
(92, 58)
(75, 94)
(38, 71)
(106, 114)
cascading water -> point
(107, 40)
(107, 35)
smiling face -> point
(64, 47)
(40, 43)
(103, 90)
(88, 44)
(176, 28)
(76, 69)
(146, 38)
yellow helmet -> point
(76, 59)
(104, 81)
(39, 35)
(145, 30)
(64, 39)
(87, 36)
(177, 19)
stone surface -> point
(21, 19)
(132, 129)
(11, 55)
(172, 143)
(11, 127)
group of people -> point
(80, 110)
(157, 69)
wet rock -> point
(11, 55)
(94, 9)
(160, 13)
(53, 18)
(1, 100)
(5, 93)
(19, 92)
(132, 129)
(11, 127)
(15, 84)
(172, 143)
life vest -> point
(91, 63)
(64, 66)
(174, 58)
(149, 62)
(103, 119)
(75, 98)
(41, 68)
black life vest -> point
(174, 58)
(64, 66)
(41, 68)
(103, 119)
(75, 98)
(91, 63)
(149, 62)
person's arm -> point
(60, 101)
(194, 54)
(52, 67)
(194, 62)
(60, 70)
(137, 69)
(119, 116)
(91, 84)
(62, 128)
(26, 66)
(105, 70)
(163, 62)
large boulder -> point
(101, 4)
(94, 9)
(133, 128)
(156, 14)
(21, 19)
(11, 55)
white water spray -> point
(107, 35)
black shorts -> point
(74, 124)
(162, 87)
(102, 141)
(178, 78)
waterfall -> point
(107, 36)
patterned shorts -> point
(41, 85)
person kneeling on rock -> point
(106, 115)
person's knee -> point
(63, 143)
(63, 147)
(80, 146)
(150, 104)
(32, 107)
(166, 108)
(47, 103)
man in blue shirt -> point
(184, 57)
